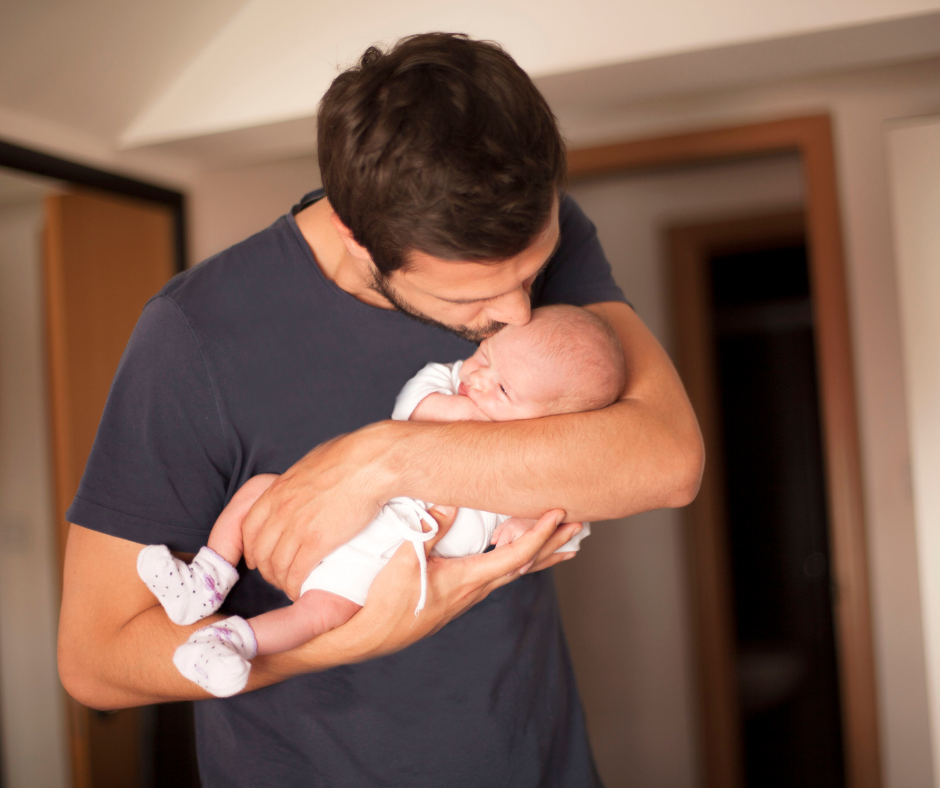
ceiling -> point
(96, 64)
(199, 84)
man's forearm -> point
(116, 643)
(643, 452)
(135, 666)
(598, 465)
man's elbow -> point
(78, 677)
(689, 464)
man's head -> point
(441, 150)
(565, 360)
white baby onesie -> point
(350, 569)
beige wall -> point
(31, 701)
(227, 206)
(914, 155)
(624, 601)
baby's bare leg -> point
(316, 612)
(226, 535)
(217, 657)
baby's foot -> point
(216, 657)
(188, 592)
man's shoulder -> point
(578, 272)
(235, 277)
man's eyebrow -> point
(478, 300)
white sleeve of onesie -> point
(433, 379)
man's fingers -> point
(552, 560)
(283, 557)
(561, 536)
(510, 558)
(250, 526)
(306, 559)
(445, 516)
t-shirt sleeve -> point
(579, 272)
(159, 469)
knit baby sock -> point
(216, 657)
(188, 592)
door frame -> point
(16, 157)
(810, 137)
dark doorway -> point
(776, 518)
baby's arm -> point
(447, 407)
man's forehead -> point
(468, 281)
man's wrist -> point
(384, 448)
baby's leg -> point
(217, 657)
(226, 535)
(316, 612)
(189, 592)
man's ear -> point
(352, 245)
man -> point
(443, 220)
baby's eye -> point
(502, 389)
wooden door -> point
(105, 257)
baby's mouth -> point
(462, 389)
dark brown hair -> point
(443, 145)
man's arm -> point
(643, 452)
(116, 643)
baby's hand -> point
(447, 407)
(511, 530)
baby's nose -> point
(478, 381)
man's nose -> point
(514, 309)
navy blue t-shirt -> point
(240, 366)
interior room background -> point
(875, 71)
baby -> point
(564, 360)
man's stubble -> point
(381, 286)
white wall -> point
(624, 600)
(914, 154)
(31, 700)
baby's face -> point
(503, 380)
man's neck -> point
(337, 265)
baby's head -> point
(564, 360)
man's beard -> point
(477, 335)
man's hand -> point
(387, 623)
(318, 504)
